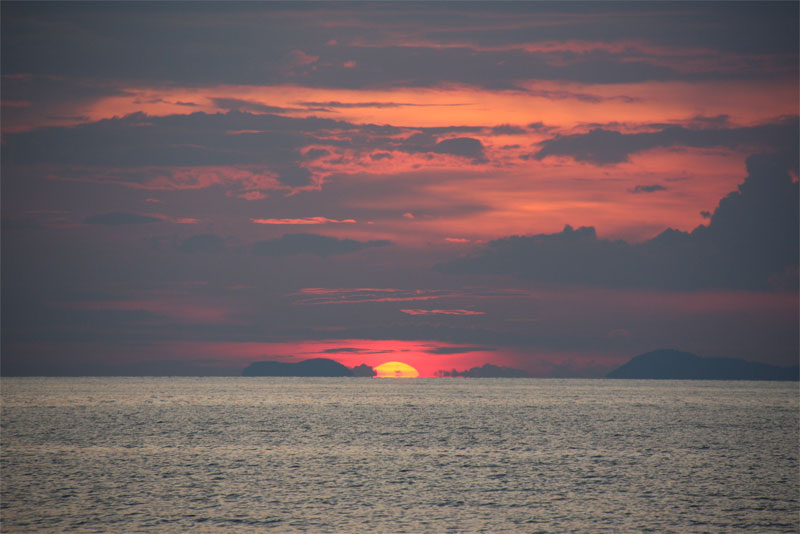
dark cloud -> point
(460, 350)
(348, 105)
(465, 147)
(318, 245)
(294, 175)
(539, 126)
(718, 121)
(508, 129)
(426, 142)
(140, 142)
(316, 153)
(202, 243)
(50, 98)
(751, 241)
(190, 46)
(196, 139)
(744, 27)
(138, 145)
(246, 105)
(648, 188)
(118, 218)
(602, 146)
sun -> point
(396, 370)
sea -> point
(360, 455)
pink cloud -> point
(442, 312)
(298, 57)
(308, 220)
(252, 195)
(242, 178)
(319, 295)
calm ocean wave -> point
(368, 455)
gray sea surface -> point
(425, 455)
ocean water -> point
(371, 456)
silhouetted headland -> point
(364, 371)
(677, 365)
(312, 367)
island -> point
(486, 371)
(667, 364)
(312, 367)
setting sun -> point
(396, 370)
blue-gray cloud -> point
(137, 143)
(602, 146)
(202, 243)
(460, 350)
(118, 218)
(318, 245)
(648, 188)
(189, 46)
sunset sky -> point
(555, 187)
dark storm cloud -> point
(751, 242)
(603, 146)
(318, 245)
(118, 218)
(648, 188)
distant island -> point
(486, 371)
(677, 365)
(312, 367)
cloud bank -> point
(751, 242)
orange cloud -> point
(565, 104)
